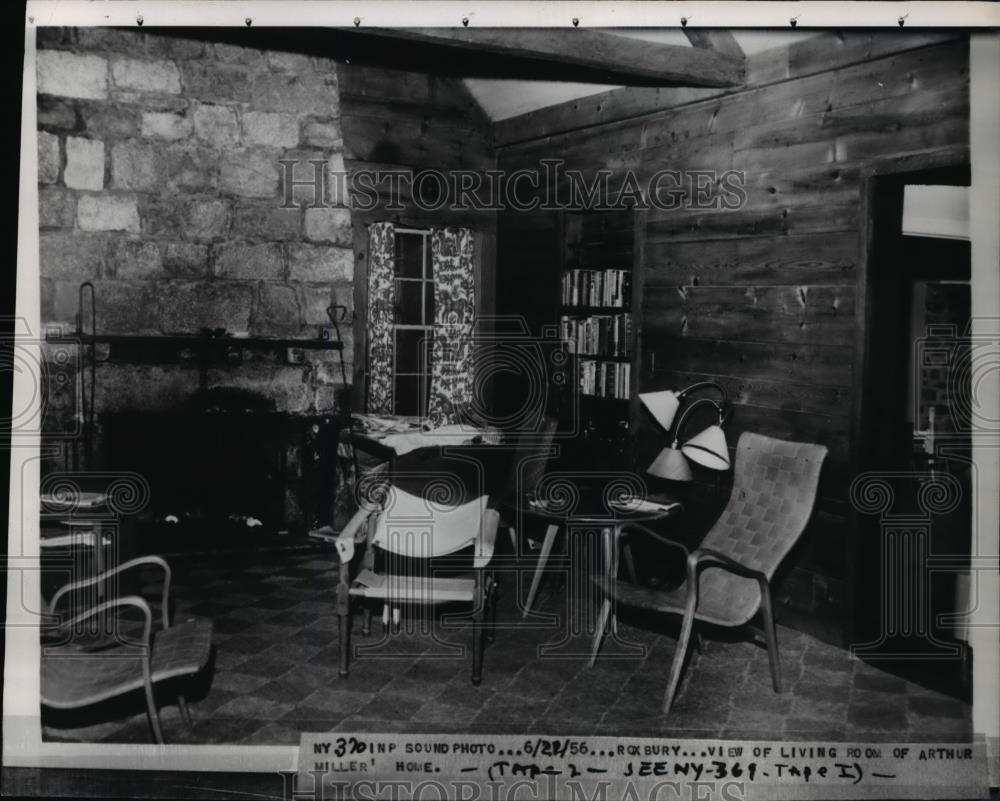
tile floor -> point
(275, 675)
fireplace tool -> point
(337, 314)
(87, 397)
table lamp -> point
(707, 448)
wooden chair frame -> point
(146, 643)
(360, 530)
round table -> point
(589, 508)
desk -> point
(591, 511)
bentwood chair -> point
(418, 529)
(728, 576)
(108, 650)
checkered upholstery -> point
(774, 490)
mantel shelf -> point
(195, 341)
(569, 310)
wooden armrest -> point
(137, 562)
(126, 600)
(704, 557)
(623, 528)
(487, 538)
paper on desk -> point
(455, 434)
(411, 440)
(641, 505)
(375, 424)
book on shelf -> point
(608, 335)
(609, 287)
(603, 379)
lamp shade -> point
(708, 448)
(671, 465)
(662, 405)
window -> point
(413, 322)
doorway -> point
(911, 514)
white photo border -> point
(23, 744)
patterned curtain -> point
(454, 316)
(381, 309)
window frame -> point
(426, 278)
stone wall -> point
(159, 181)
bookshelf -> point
(598, 293)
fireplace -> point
(225, 467)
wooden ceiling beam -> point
(612, 57)
(717, 40)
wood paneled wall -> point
(764, 299)
(411, 121)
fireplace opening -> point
(225, 469)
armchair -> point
(728, 578)
(410, 526)
(109, 660)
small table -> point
(591, 511)
(82, 522)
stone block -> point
(235, 54)
(136, 259)
(314, 299)
(70, 255)
(169, 46)
(126, 387)
(162, 216)
(186, 307)
(242, 260)
(56, 208)
(288, 62)
(272, 129)
(56, 114)
(265, 219)
(105, 121)
(185, 260)
(140, 101)
(166, 125)
(250, 173)
(146, 76)
(328, 363)
(325, 65)
(108, 213)
(216, 125)
(135, 166)
(190, 168)
(131, 41)
(303, 94)
(55, 37)
(323, 133)
(304, 179)
(59, 302)
(72, 75)
(329, 225)
(204, 81)
(84, 164)
(320, 263)
(281, 383)
(277, 311)
(48, 158)
(338, 192)
(127, 307)
(206, 220)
